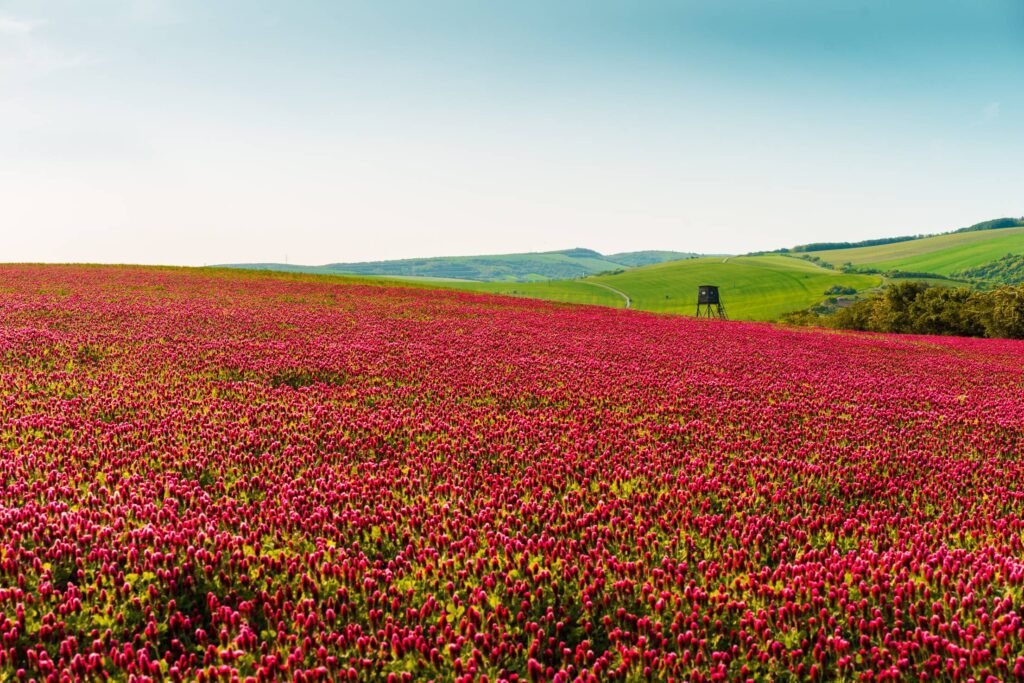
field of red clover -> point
(218, 476)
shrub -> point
(918, 308)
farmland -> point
(757, 287)
(211, 475)
(754, 287)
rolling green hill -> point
(940, 254)
(549, 265)
(752, 287)
(755, 287)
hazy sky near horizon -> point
(190, 132)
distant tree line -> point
(917, 308)
(817, 260)
(849, 268)
(892, 273)
(994, 224)
(825, 246)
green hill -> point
(755, 287)
(752, 287)
(529, 267)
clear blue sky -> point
(188, 132)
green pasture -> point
(752, 287)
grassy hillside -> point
(941, 254)
(761, 287)
(530, 267)
(752, 287)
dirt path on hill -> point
(629, 302)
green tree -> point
(1001, 312)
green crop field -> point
(942, 254)
(752, 287)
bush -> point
(1001, 312)
(817, 261)
(908, 274)
(917, 308)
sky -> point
(192, 132)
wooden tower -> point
(709, 303)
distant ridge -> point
(526, 267)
